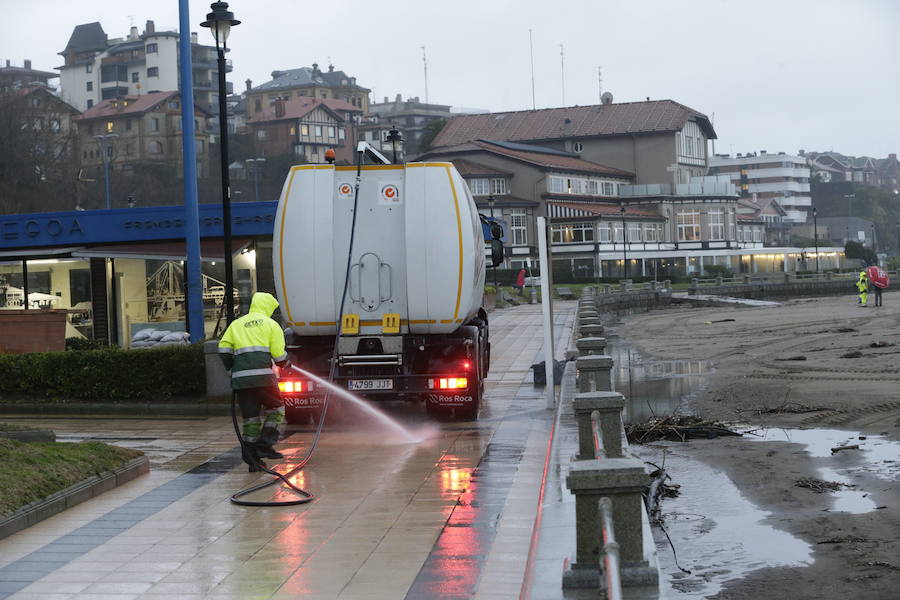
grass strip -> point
(32, 471)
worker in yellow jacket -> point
(249, 347)
(862, 285)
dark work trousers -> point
(877, 296)
(263, 414)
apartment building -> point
(308, 82)
(97, 68)
(410, 117)
(138, 129)
(15, 77)
(781, 177)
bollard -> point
(654, 285)
(532, 296)
(828, 276)
(591, 346)
(610, 406)
(594, 373)
(622, 480)
(719, 281)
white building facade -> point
(97, 68)
(782, 177)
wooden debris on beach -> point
(795, 408)
(656, 491)
(818, 485)
(677, 429)
(850, 447)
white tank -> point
(418, 250)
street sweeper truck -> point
(379, 269)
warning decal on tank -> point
(345, 190)
(390, 194)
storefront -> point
(117, 271)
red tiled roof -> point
(133, 105)
(299, 106)
(624, 118)
(467, 168)
(559, 162)
(605, 209)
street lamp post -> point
(898, 238)
(624, 242)
(220, 21)
(816, 238)
(394, 138)
(491, 201)
(105, 143)
(257, 165)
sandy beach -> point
(825, 366)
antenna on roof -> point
(531, 48)
(425, 68)
(600, 83)
(562, 68)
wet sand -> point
(815, 364)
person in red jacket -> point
(520, 281)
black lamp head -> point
(220, 21)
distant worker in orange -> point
(862, 285)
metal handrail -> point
(610, 551)
(595, 431)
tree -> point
(856, 250)
(37, 168)
(432, 129)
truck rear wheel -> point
(470, 411)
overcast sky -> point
(777, 75)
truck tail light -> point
(293, 386)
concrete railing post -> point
(719, 281)
(622, 480)
(591, 346)
(787, 277)
(594, 373)
(828, 276)
(607, 288)
(590, 331)
(588, 322)
(609, 405)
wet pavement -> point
(450, 517)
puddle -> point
(717, 541)
(651, 386)
(877, 456)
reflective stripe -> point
(226, 350)
(251, 372)
(246, 349)
(281, 358)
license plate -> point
(371, 384)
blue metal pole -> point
(106, 176)
(194, 296)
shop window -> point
(572, 233)
(688, 226)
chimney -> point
(331, 68)
(27, 64)
(385, 98)
(279, 108)
(762, 152)
(194, 37)
(249, 84)
(133, 33)
(892, 156)
(315, 68)
(7, 62)
(150, 27)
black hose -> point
(304, 496)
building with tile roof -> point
(309, 82)
(305, 127)
(659, 141)
(14, 77)
(145, 129)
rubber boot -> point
(250, 456)
(264, 446)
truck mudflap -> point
(442, 400)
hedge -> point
(108, 374)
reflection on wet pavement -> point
(718, 534)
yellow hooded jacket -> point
(251, 343)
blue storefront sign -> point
(122, 225)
